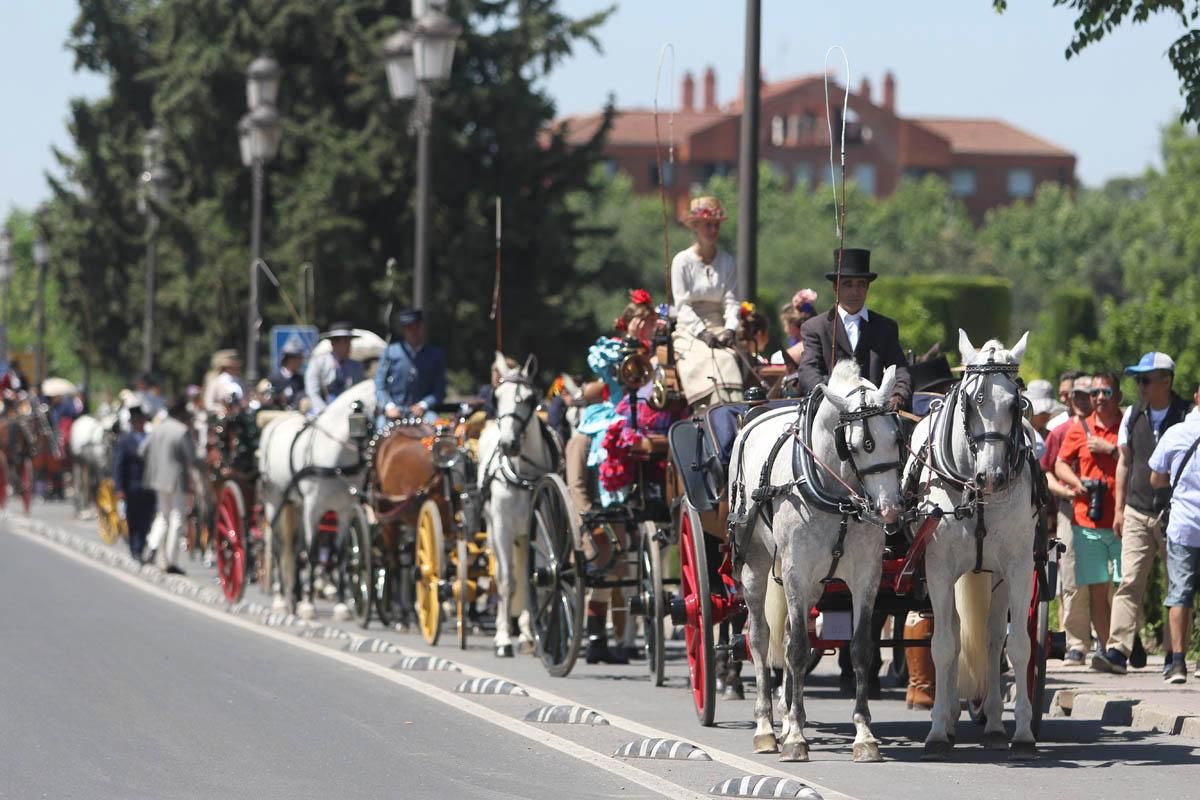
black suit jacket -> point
(878, 349)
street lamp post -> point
(5, 275)
(258, 140)
(416, 59)
(152, 189)
(747, 232)
(41, 257)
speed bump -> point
(565, 715)
(763, 786)
(662, 748)
(490, 686)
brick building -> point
(986, 162)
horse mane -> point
(993, 348)
(846, 377)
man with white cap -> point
(1139, 506)
(333, 372)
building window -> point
(864, 176)
(793, 128)
(610, 167)
(962, 182)
(802, 176)
(714, 169)
(778, 130)
(1020, 182)
(668, 174)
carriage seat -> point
(724, 421)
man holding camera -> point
(1093, 446)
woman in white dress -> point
(704, 286)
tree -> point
(1098, 18)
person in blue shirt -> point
(332, 371)
(411, 378)
(129, 467)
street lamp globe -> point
(262, 82)
(264, 133)
(398, 62)
(433, 49)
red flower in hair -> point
(746, 309)
(620, 325)
(641, 297)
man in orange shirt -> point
(1093, 445)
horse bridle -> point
(1015, 446)
(864, 413)
(531, 403)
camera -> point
(1095, 494)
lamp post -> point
(5, 275)
(41, 257)
(258, 141)
(747, 232)
(417, 58)
(152, 190)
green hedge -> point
(931, 308)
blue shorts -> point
(1097, 555)
(1182, 565)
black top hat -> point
(931, 375)
(340, 330)
(407, 316)
(856, 263)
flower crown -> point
(804, 300)
(640, 297)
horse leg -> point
(500, 539)
(994, 737)
(311, 516)
(945, 658)
(794, 746)
(862, 655)
(1020, 650)
(756, 579)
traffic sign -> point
(305, 336)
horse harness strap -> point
(839, 547)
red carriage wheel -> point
(231, 542)
(697, 604)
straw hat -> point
(1041, 398)
(704, 209)
(225, 358)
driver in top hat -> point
(868, 337)
(333, 372)
(411, 378)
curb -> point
(1129, 712)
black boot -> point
(597, 647)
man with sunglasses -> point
(1139, 506)
(1093, 445)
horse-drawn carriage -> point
(32, 450)
(236, 516)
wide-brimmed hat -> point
(340, 330)
(225, 358)
(704, 209)
(856, 263)
(1040, 394)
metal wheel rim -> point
(358, 568)
(556, 611)
(1039, 643)
(382, 585)
(655, 609)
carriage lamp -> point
(399, 65)
(444, 450)
(433, 48)
(635, 370)
(359, 425)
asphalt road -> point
(108, 691)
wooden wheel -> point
(231, 541)
(357, 563)
(430, 556)
(108, 514)
(556, 582)
(1039, 648)
(652, 600)
(697, 600)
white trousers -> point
(168, 521)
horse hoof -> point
(936, 751)
(504, 651)
(306, 611)
(341, 612)
(766, 743)
(796, 751)
(995, 740)
(1022, 751)
(866, 752)
(279, 604)
(526, 648)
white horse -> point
(978, 438)
(513, 452)
(90, 444)
(318, 461)
(812, 535)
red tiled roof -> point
(636, 126)
(988, 136)
(769, 90)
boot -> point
(734, 690)
(597, 647)
(920, 666)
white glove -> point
(121, 509)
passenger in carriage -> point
(753, 332)
(287, 384)
(704, 286)
(799, 309)
(411, 378)
(331, 373)
(225, 368)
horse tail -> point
(776, 613)
(972, 596)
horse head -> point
(516, 402)
(867, 436)
(991, 407)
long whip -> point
(496, 311)
(662, 186)
(839, 212)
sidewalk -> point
(1139, 699)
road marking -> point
(746, 765)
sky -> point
(950, 58)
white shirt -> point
(1059, 419)
(1156, 420)
(852, 323)
(693, 281)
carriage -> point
(237, 524)
(20, 441)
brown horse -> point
(19, 445)
(403, 478)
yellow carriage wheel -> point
(429, 557)
(107, 513)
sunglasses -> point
(1144, 380)
(1101, 392)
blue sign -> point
(305, 336)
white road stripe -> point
(621, 769)
(734, 760)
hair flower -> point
(641, 297)
(804, 300)
(746, 309)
